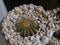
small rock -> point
(45, 40)
(39, 9)
(24, 7)
(49, 33)
(11, 13)
(18, 10)
(31, 6)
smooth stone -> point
(24, 7)
(39, 9)
(45, 40)
(11, 13)
(18, 10)
(50, 33)
(32, 38)
(31, 6)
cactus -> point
(26, 27)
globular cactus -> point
(26, 27)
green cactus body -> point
(26, 27)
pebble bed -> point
(45, 20)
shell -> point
(39, 9)
(18, 10)
(45, 40)
(31, 6)
(50, 33)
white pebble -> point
(45, 40)
(18, 10)
(31, 6)
(50, 33)
(39, 9)
(32, 38)
(16, 16)
(11, 13)
(24, 7)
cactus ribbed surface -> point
(26, 27)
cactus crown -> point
(26, 23)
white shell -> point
(28, 43)
(39, 9)
(24, 7)
(31, 6)
(11, 13)
(18, 10)
(45, 40)
(50, 33)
